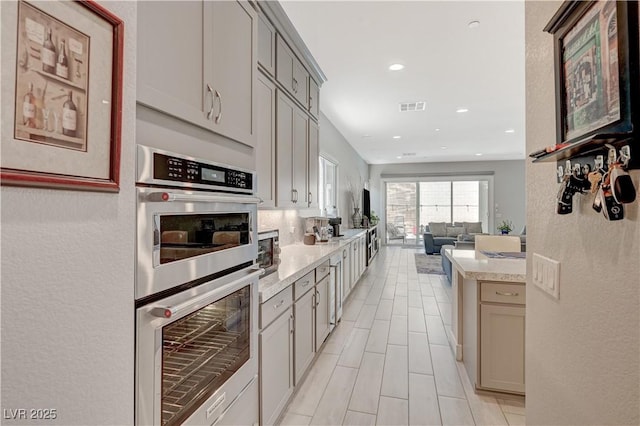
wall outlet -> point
(546, 275)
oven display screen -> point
(211, 175)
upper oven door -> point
(186, 235)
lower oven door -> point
(196, 351)
(186, 235)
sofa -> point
(438, 234)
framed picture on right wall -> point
(596, 68)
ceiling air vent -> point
(408, 154)
(412, 106)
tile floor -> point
(388, 361)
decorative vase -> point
(504, 232)
(356, 218)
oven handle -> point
(201, 198)
(172, 311)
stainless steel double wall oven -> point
(196, 290)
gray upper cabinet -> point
(266, 144)
(291, 153)
(207, 74)
(291, 73)
(266, 45)
(313, 152)
(314, 98)
(169, 68)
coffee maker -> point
(335, 222)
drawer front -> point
(322, 271)
(272, 308)
(503, 293)
(304, 284)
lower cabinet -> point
(304, 312)
(493, 332)
(276, 367)
(346, 272)
(322, 311)
(502, 347)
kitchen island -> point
(487, 319)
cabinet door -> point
(354, 262)
(276, 367)
(284, 151)
(303, 335)
(502, 347)
(363, 254)
(266, 144)
(300, 82)
(230, 64)
(314, 98)
(169, 67)
(314, 152)
(322, 311)
(284, 64)
(346, 271)
(266, 45)
(300, 138)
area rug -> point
(429, 264)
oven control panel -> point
(191, 172)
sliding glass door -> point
(412, 205)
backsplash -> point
(282, 220)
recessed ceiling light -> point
(474, 24)
(509, 131)
(397, 137)
(462, 110)
(443, 147)
(437, 130)
(396, 67)
(366, 136)
(479, 154)
(399, 157)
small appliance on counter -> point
(269, 251)
(335, 222)
(317, 226)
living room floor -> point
(389, 363)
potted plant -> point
(505, 227)
(374, 218)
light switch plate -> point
(546, 275)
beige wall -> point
(67, 281)
(582, 351)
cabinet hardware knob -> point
(277, 305)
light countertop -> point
(298, 259)
(479, 267)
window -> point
(410, 206)
(328, 190)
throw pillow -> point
(473, 227)
(438, 229)
(454, 231)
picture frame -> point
(65, 77)
(595, 51)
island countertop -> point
(476, 266)
(299, 259)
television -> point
(366, 203)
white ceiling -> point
(447, 64)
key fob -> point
(612, 209)
(597, 200)
(565, 198)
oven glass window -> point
(188, 235)
(201, 351)
(265, 252)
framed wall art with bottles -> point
(63, 66)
